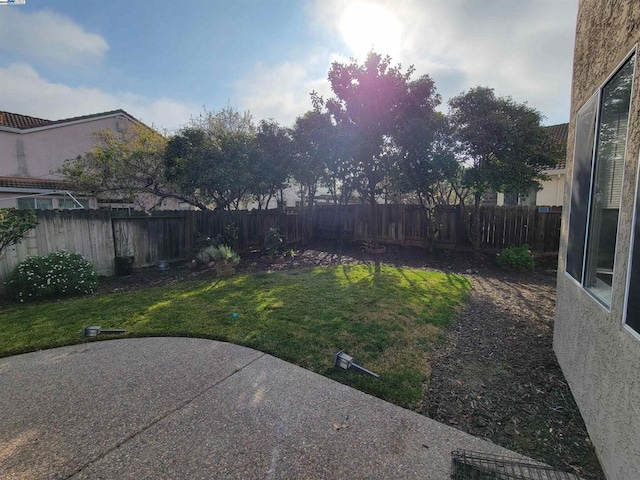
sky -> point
(165, 62)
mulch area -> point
(497, 378)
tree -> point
(14, 226)
(375, 102)
(126, 164)
(213, 159)
(312, 137)
(428, 166)
(275, 159)
(503, 146)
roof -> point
(25, 122)
(560, 133)
(38, 183)
(15, 120)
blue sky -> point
(164, 61)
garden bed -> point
(498, 377)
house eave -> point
(118, 113)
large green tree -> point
(377, 102)
(125, 164)
(502, 144)
(312, 144)
(213, 158)
(275, 162)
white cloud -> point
(24, 91)
(523, 49)
(49, 37)
(280, 92)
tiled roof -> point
(23, 122)
(45, 184)
(559, 133)
(15, 120)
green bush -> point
(57, 274)
(516, 257)
(220, 254)
(274, 242)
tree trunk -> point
(476, 225)
(373, 218)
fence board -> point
(100, 234)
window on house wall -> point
(601, 137)
(69, 204)
(510, 199)
(632, 307)
(35, 203)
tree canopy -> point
(501, 142)
(383, 110)
(212, 159)
(124, 164)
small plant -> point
(225, 254)
(218, 254)
(57, 274)
(274, 242)
(516, 257)
(368, 243)
(231, 235)
(206, 254)
(204, 241)
(290, 253)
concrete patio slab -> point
(194, 408)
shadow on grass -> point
(303, 316)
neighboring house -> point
(597, 321)
(33, 149)
(552, 191)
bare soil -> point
(497, 378)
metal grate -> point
(466, 465)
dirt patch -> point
(498, 377)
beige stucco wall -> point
(599, 358)
(552, 192)
(39, 152)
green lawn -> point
(389, 321)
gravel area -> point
(497, 377)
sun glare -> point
(366, 26)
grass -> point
(389, 320)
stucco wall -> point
(552, 192)
(599, 358)
(38, 153)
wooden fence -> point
(100, 235)
(500, 227)
(88, 232)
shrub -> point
(55, 274)
(206, 254)
(221, 254)
(274, 242)
(225, 254)
(516, 257)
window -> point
(35, 203)
(601, 137)
(70, 204)
(632, 307)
